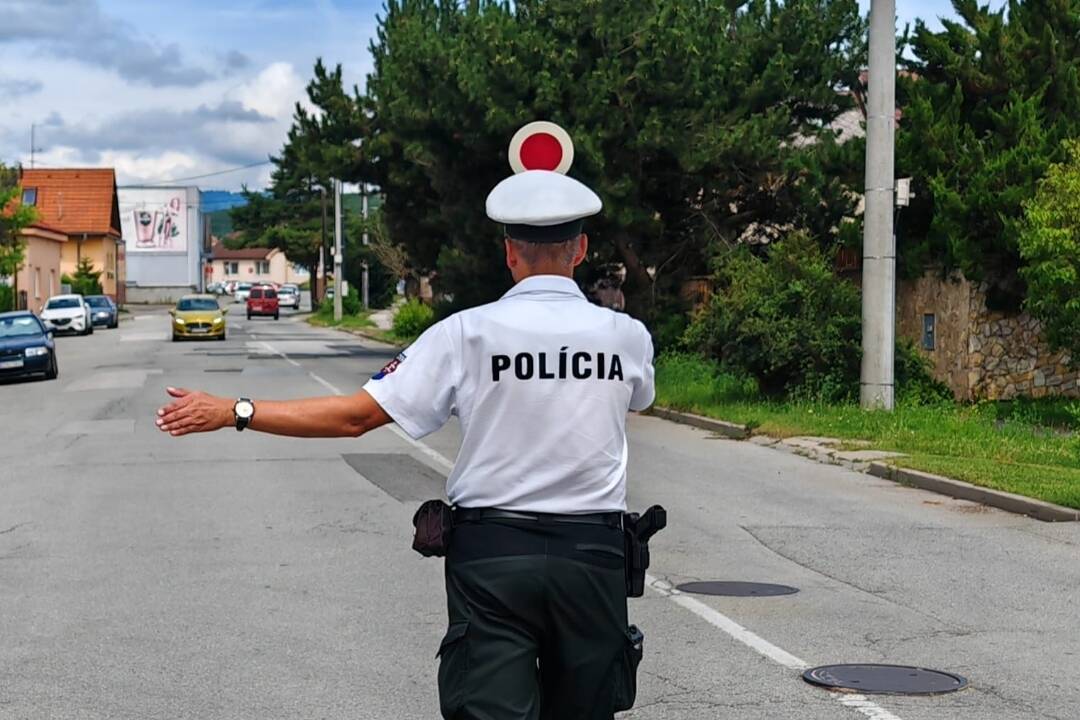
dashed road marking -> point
(714, 617)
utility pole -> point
(322, 251)
(33, 144)
(879, 244)
(338, 258)
(364, 238)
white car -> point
(242, 292)
(289, 296)
(67, 313)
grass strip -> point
(1029, 448)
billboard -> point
(153, 220)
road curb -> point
(727, 429)
(357, 333)
(1038, 509)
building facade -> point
(164, 233)
(81, 204)
(39, 276)
(254, 265)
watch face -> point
(244, 409)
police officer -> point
(541, 381)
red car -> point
(262, 301)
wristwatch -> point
(243, 412)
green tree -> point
(86, 280)
(986, 105)
(14, 216)
(1050, 246)
(320, 147)
(693, 120)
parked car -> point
(289, 296)
(103, 311)
(198, 316)
(263, 300)
(241, 292)
(68, 313)
(26, 346)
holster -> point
(433, 521)
(637, 529)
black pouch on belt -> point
(637, 529)
(433, 522)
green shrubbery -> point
(7, 298)
(86, 280)
(784, 319)
(413, 318)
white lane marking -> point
(760, 645)
(427, 451)
(729, 626)
(755, 642)
(286, 358)
(141, 337)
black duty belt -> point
(609, 519)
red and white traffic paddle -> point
(541, 145)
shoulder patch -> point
(389, 367)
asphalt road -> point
(247, 576)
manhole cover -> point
(885, 679)
(736, 589)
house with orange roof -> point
(80, 204)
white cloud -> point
(273, 92)
(79, 30)
(153, 143)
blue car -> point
(103, 311)
(26, 347)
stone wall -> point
(1008, 357)
(981, 354)
(949, 299)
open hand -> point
(194, 412)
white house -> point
(165, 237)
(254, 265)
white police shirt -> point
(541, 381)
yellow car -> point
(198, 316)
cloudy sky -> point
(166, 91)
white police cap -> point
(540, 203)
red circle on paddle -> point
(541, 151)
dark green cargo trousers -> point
(538, 626)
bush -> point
(784, 319)
(86, 280)
(915, 383)
(413, 318)
(350, 302)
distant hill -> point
(216, 204)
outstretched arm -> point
(350, 416)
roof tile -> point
(78, 200)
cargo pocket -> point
(626, 673)
(453, 669)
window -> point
(29, 196)
(232, 268)
(37, 283)
(928, 339)
(262, 267)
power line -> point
(200, 177)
